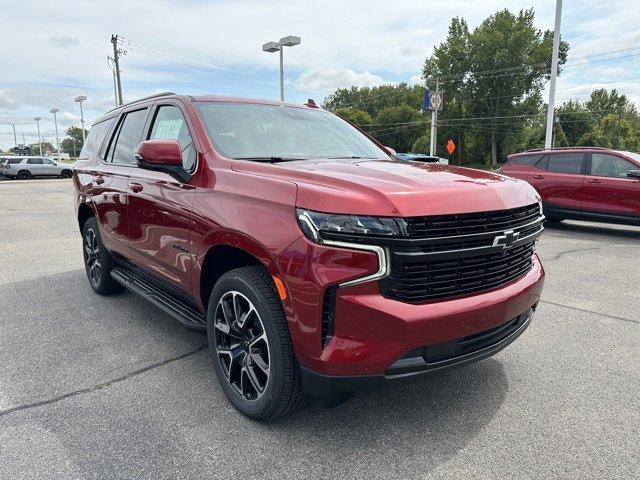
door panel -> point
(160, 222)
(608, 190)
(108, 191)
(559, 180)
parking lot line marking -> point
(612, 317)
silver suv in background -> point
(28, 167)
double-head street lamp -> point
(55, 121)
(80, 99)
(37, 119)
(273, 47)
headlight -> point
(314, 224)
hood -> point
(398, 188)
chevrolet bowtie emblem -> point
(508, 238)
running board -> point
(182, 312)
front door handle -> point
(136, 187)
(538, 177)
(594, 181)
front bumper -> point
(417, 366)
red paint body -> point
(588, 194)
(167, 228)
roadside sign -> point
(450, 147)
(426, 102)
(435, 101)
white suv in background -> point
(27, 167)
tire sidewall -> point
(103, 286)
(269, 401)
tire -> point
(24, 175)
(240, 353)
(66, 174)
(97, 260)
(553, 219)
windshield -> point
(274, 132)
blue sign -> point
(426, 102)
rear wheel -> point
(24, 175)
(97, 260)
(250, 345)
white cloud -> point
(63, 41)
(326, 80)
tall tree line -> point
(492, 78)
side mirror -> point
(633, 173)
(162, 156)
(391, 151)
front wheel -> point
(66, 174)
(250, 345)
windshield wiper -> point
(270, 159)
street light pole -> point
(55, 121)
(37, 119)
(15, 140)
(80, 99)
(273, 47)
(554, 73)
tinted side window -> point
(610, 166)
(15, 161)
(170, 124)
(34, 161)
(525, 160)
(128, 137)
(95, 137)
(565, 163)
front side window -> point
(48, 162)
(169, 124)
(128, 137)
(525, 160)
(263, 132)
(604, 165)
(565, 163)
(34, 161)
(95, 138)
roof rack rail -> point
(564, 148)
(155, 95)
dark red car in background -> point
(586, 183)
(316, 262)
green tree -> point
(355, 116)
(74, 134)
(399, 127)
(496, 73)
(422, 144)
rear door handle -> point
(538, 177)
(594, 181)
(136, 187)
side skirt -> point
(180, 310)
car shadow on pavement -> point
(602, 230)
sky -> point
(56, 50)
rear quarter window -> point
(15, 161)
(95, 138)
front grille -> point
(470, 223)
(451, 255)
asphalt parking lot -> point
(111, 387)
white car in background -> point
(24, 168)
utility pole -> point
(23, 140)
(554, 73)
(37, 119)
(116, 56)
(15, 141)
(434, 122)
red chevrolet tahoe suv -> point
(586, 183)
(317, 263)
